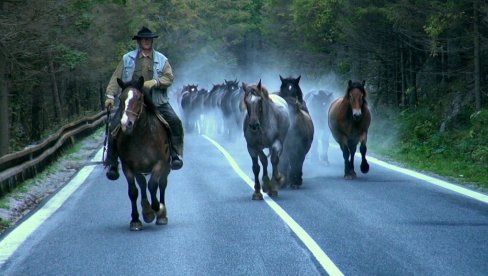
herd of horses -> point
(283, 123)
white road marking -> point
(318, 253)
(20, 234)
(432, 180)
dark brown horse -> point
(297, 144)
(265, 126)
(349, 120)
(143, 146)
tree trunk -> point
(477, 93)
(36, 114)
(4, 110)
(55, 91)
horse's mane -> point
(150, 106)
(259, 88)
(137, 84)
(359, 85)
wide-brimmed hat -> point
(144, 33)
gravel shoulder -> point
(30, 194)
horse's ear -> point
(259, 85)
(121, 83)
(244, 86)
(281, 78)
(349, 84)
(140, 82)
(364, 82)
(298, 79)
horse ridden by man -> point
(265, 127)
(349, 120)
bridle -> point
(142, 104)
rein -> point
(107, 121)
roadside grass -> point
(459, 153)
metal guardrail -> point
(21, 165)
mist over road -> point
(383, 222)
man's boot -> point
(112, 160)
(177, 152)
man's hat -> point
(144, 33)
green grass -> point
(4, 204)
(414, 140)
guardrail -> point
(19, 166)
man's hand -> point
(148, 85)
(109, 102)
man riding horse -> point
(156, 70)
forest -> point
(425, 63)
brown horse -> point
(143, 146)
(349, 120)
(265, 126)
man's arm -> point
(166, 79)
(113, 87)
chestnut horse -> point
(143, 146)
(265, 126)
(349, 120)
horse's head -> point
(231, 85)
(290, 88)
(254, 97)
(356, 95)
(132, 101)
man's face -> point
(145, 43)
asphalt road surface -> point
(382, 223)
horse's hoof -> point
(364, 167)
(147, 212)
(273, 193)
(257, 196)
(162, 221)
(162, 218)
(135, 225)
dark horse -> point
(300, 135)
(143, 146)
(297, 144)
(318, 105)
(230, 105)
(349, 120)
(265, 126)
(290, 90)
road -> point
(384, 222)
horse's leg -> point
(257, 186)
(364, 162)
(345, 155)
(135, 224)
(264, 163)
(147, 212)
(296, 169)
(277, 179)
(352, 145)
(162, 218)
(286, 159)
(325, 147)
(153, 189)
